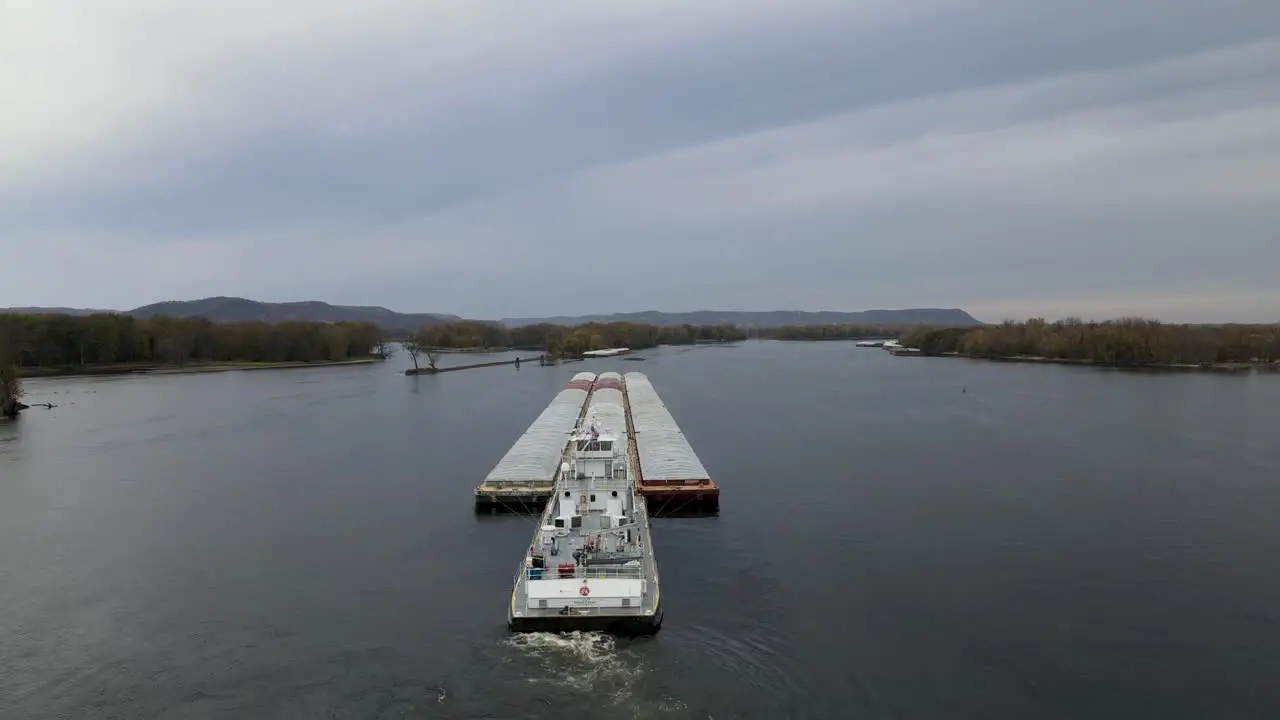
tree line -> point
(1127, 341)
(562, 341)
(827, 332)
(10, 387)
(66, 341)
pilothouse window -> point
(595, 445)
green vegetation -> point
(1128, 342)
(561, 341)
(770, 318)
(65, 343)
(108, 343)
(10, 386)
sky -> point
(504, 158)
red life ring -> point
(584, 591)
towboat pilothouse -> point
(591, 564)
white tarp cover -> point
(535, 457)
(606, 408)
(665, 454)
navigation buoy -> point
(584, 591)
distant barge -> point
(607, 352)
(665, 468)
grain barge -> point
(590, 564)
(667, 471)
(523, 479)
(663, 466)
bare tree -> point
(384, 348)
(418, 346)
(414, 350)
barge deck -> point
(522, 480)
(665, 469)
(668, 471)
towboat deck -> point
(567, 608)
(590, 565)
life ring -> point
(584, 591)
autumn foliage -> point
(1128, 341)
(65, 341)
(559, 340)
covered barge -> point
(667, 472)
(662, 464)
(524, 477)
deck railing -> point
(580, 572)
(501, 484)
(598, 484)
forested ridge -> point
(68, 341)
(1127, 341)
(937, 317)
(65, 341)
(558, 340)
(829, 332)
(570, 340)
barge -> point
(667, 471)
(590, 565)
(524, 477)
(664, 467)
(607, 352)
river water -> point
(899, 538)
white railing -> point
(580, 572)
(534, 484)
(598, 484)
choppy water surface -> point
(899, 538)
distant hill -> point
(771, 318)
(53, 311)
(234, 309)
(230, 309)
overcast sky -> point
(516, 158)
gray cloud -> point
(1017, 158)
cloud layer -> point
(508, 158)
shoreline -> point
(814, 339)
(1216, 366)
(473, 351)
(188, 369)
